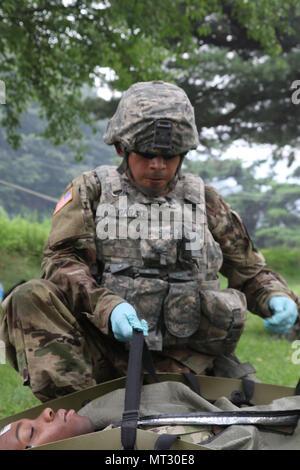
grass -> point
(14, 397)
(16, 267)
(23, 234)
(284, 261)
(270, 355)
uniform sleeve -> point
(243, 266)
(70, 253)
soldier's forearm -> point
(262, 287)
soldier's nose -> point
(158, 162)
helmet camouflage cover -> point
(144, 105)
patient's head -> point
(47, 427)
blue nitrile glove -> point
(123, 320)
(284, 315)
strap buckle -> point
(130, 415)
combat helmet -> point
(153, 118)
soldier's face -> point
(47, 427)
(154, 173)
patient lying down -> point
(47, 427)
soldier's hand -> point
(284, 314)
(123, 320)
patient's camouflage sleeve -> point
(244, 267)
(193, 434)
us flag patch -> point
(67, 197)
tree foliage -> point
(269, 209)
(250, 100)
(49, 49)
(43, 168)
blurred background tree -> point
(269, 209)
(237, 60)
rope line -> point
(29, 191)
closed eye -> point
(31, 433)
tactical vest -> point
(159, 255)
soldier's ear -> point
(118, 150)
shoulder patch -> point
(67, 197)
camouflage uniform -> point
(57, 328)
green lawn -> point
(13, 396)
(270, 355)
(17, 267)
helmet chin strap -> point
(125, 168)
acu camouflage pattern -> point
(132, 125)
(173, 287)
(56, 328)
(192, 434)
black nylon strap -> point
(239, 398)
(132, 392)
(297, 389)
(138, 354)
(148, 363)
(164, 441)
(248, 386)
(192, 380)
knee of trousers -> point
(26, 297)
(29, 288)
(22, 310)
